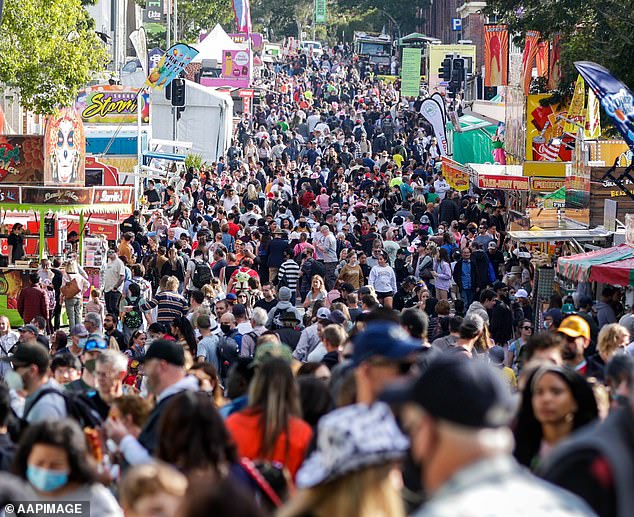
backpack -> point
(276, 323)
(133, 319)
(78, 407)
(318, 269)
(227, 352)
(202, 275)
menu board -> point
(94, 252)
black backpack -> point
(78, 407)
(202, 275)
(227, 353)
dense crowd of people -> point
(317, 324)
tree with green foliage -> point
(49, 50)
(196, 16)
(591, 30)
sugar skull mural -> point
(65, 149)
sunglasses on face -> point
(527, 328)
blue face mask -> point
(46, 480)
(82, 342)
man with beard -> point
(461, 439)
(164, 369)
(576, 331)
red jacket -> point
(246, 431)
(32, 302)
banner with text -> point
(111, 104)
(410, 72)
(320, 11)
(496, 55)
(153, 12)
(172, 63)
(503, 182)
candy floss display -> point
(545, 137)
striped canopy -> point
(614, 266)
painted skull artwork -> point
(65, 149)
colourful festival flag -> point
(593, 117)
(615, 97)
(554, 75)
(575, 111)
(173, 62)
(528, 59)
(496, 55)
(242, 11)
(541, 59)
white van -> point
(315, 46)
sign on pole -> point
(410, 72)
(320, 11)
(456, 24)
(153, 12)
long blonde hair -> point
(369, 492)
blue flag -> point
(615, 97)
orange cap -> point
(575, 326)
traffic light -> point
(445, 70)
(457, 76)
(178, 92)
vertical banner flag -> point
(171, 64)
(616, 98)
(575, 112)
(441, 101)
(320, 11)
(554, 75)
(242, 11)
(410, 72)
(139, 42)
(593, 117)
(433, 112)
(541, 59)
(528, 58)
(496, 55)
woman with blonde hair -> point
(354, 469)
(317, 291)
(613, 338)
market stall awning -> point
(613, 266)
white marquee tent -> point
(206, 122)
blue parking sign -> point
(456, 24)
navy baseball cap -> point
(383, 339)
(466, 392)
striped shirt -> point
(289, 270)
(170, 305)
